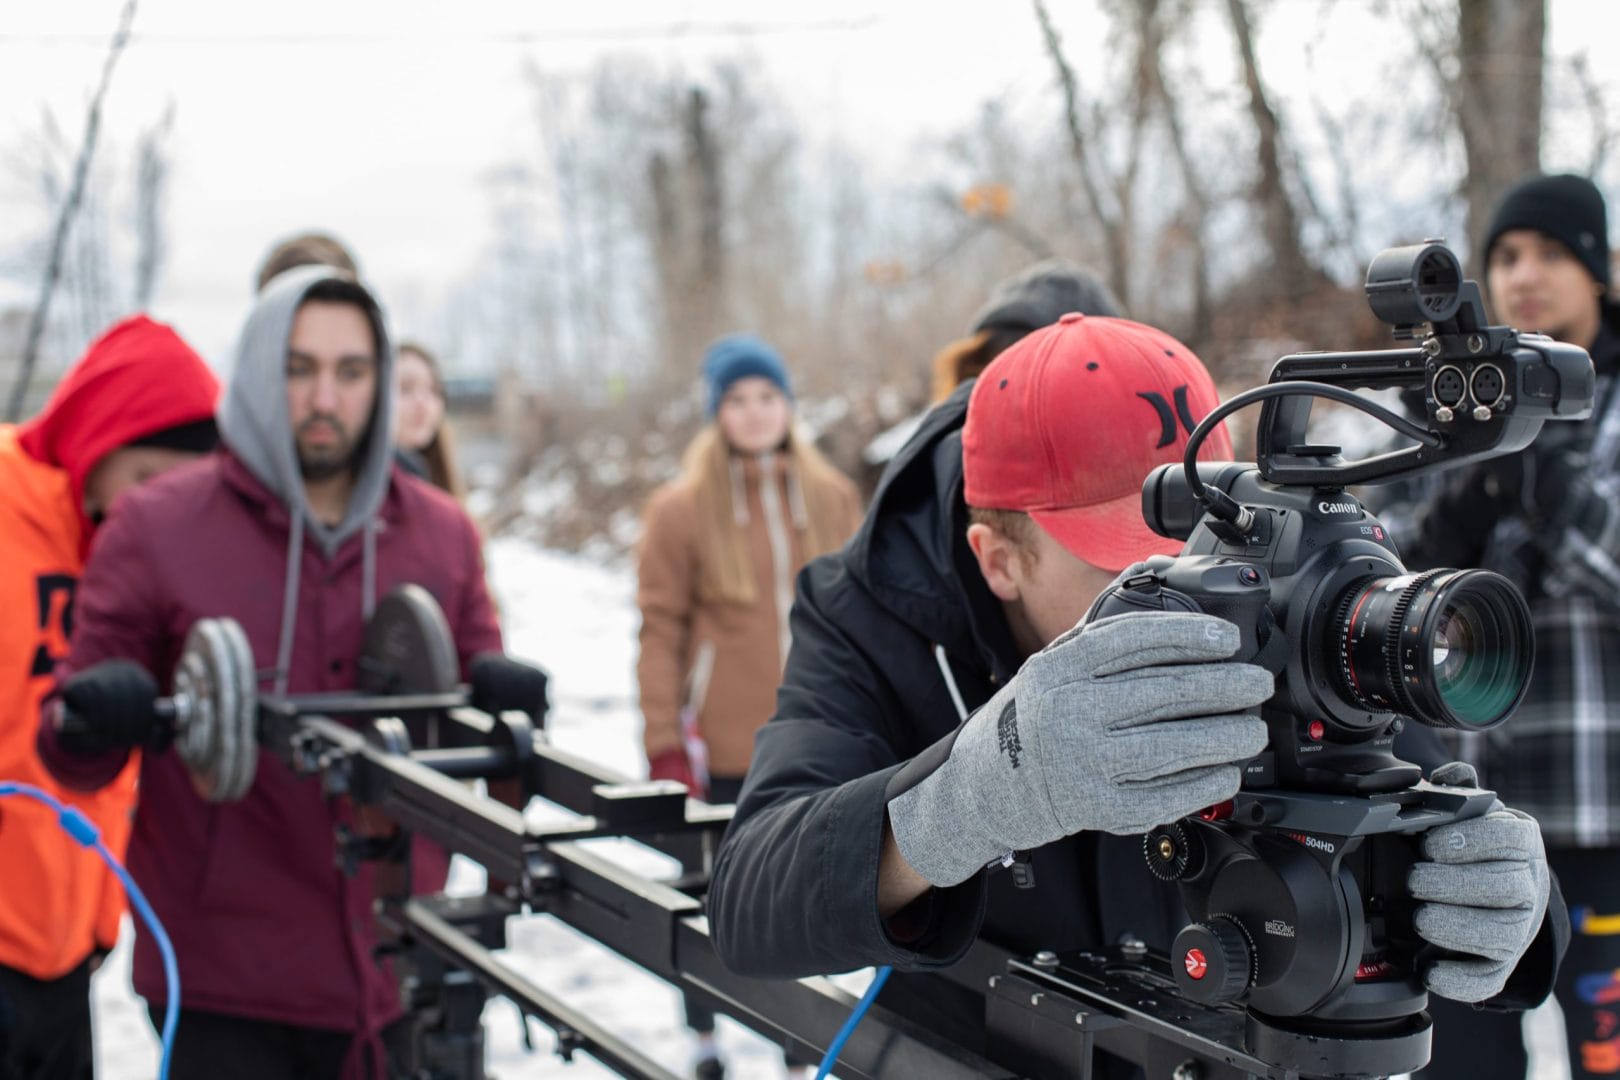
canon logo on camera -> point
(1325, 507)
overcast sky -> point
(382, 121)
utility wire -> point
(650, 32)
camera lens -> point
(1452, 648)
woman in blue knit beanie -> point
(721, 546)
(740, 356)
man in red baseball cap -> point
(879, 803)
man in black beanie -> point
(1547, 258)
(1549, 519)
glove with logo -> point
(500, 683)
(1118, 725)
(1484, 886)
(109, 706)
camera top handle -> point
(1486, 389)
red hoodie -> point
(137, 379)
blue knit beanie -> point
(737, 356)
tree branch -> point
(64, 220)
(1113, 233)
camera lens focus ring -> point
(1397, 652)
(1451, 648)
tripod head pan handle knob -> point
(1213, 961)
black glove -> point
(500, 683)
(110, 706)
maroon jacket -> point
(264, 924)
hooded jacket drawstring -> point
(289, 600)
(739, 493)
(796, 506)
(368, 570)
(950, 682)
(781, 550)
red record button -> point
(1316, 730)
(1197, 966)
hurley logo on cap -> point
(1167, 420)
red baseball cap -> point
(1067, 423)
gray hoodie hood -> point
(254, 424)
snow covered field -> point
(578, 620)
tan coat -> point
(722, 659)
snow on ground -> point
(577, 619)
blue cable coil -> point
(85, 833)
(855, 1015)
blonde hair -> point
(727, 574)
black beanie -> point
(199, 437)
(1041, 295)
(1567, 208)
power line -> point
(650, 32)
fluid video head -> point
(1298, 885)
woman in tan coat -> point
(721, 547)
(722, 544)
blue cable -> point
(837, 1047)
(84, 831)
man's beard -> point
(324, 469)
(341, 458)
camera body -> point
(1298, 885)
(1320, 597)
(1283, 589)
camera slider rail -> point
(1045, 1016)
(649, 922)
(400, 752)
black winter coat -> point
(864, 696)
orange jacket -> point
(58, 901)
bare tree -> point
(151, 190)
(688, 237)
(703, 163)
(1597, 111)
(65, 218)
(1279, 219)
(1497, 97)
(1112, 218)
(1487, 56)
(1195, 215)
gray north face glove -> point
(1485, 884)
(1119, 725)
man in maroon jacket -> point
(294, 529)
